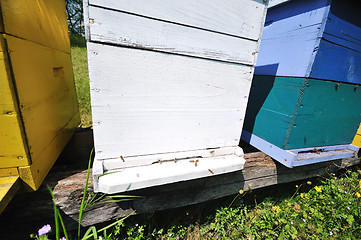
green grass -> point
(81, 76)
(323, 208)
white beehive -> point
(169, 87)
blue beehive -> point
(305, 103)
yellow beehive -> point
(38, 105)
(357, 139)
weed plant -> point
(87, 201)
(329, 209)
(323, 208)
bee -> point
(195, 163)
(175, 160)
(212, 151)
(121, 157)
(191, 161)
(159, 161)
(210, 171)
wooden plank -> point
(8, 187)
(13, 151)
(242, 18)
(185, 104)
(271, 107)
(124, 29)
(125, 162)
(342, 32)
(338, 63)
(1, 23)
(291, 33)
(121, 180)
(6, 172)
(43, 21)
(260, 171)
(34, 174)
(302, 156)
(47, 97)
(288, 111)
(13, 147)
(339, 54)
(335, 124)
(344, 20)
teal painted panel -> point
(271, 107)
(329, 114)
(296, 113)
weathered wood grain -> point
(146, 102)
(242, 18)
(140, 32)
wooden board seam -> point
(170, 53)
(14, 88)
(167, 21)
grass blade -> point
(57, 233)
(84, 194)
(116, 222)
(62, 224)
(91, 232)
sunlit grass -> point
(81, 76)
(323, 208)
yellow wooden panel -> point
(46, 92)
(7, 100)
(13, 151)
(8, 187)
(357, 139)
(12, 147)
(34, 174)
(41, 21)
(6, 172)
(1, 23)
(38, 105)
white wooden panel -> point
(125, 162)
(140, 32)
(146, 102)
(243, 18)
(165, 173)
